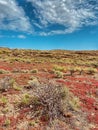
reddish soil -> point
(85, 87)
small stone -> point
(31, 106)
(93, 114)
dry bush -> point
(33, 82)
(49, 102)
(52, 101)
(8, 83)
(57, 125)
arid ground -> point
(48, 90)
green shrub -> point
(91, 70)
(74, 103)
(7, 122)
(15, 70)
(24, 71)
(3, 100)
(58, 68)
(34, 71)
(33, 123)
(58, 74)
(25, 100)
(79, 69)
(2, 71)
(71, 70)
(17, 88)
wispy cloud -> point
(72, 14)
(12, 17)
(66, 15)
(13, 36)
(21, 36)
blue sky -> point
(49, 24)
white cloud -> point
(12, 17)
(21, 36)
(13, 36)
(72, 14)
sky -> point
(49, 24)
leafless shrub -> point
(54, 101)
(6, 83)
